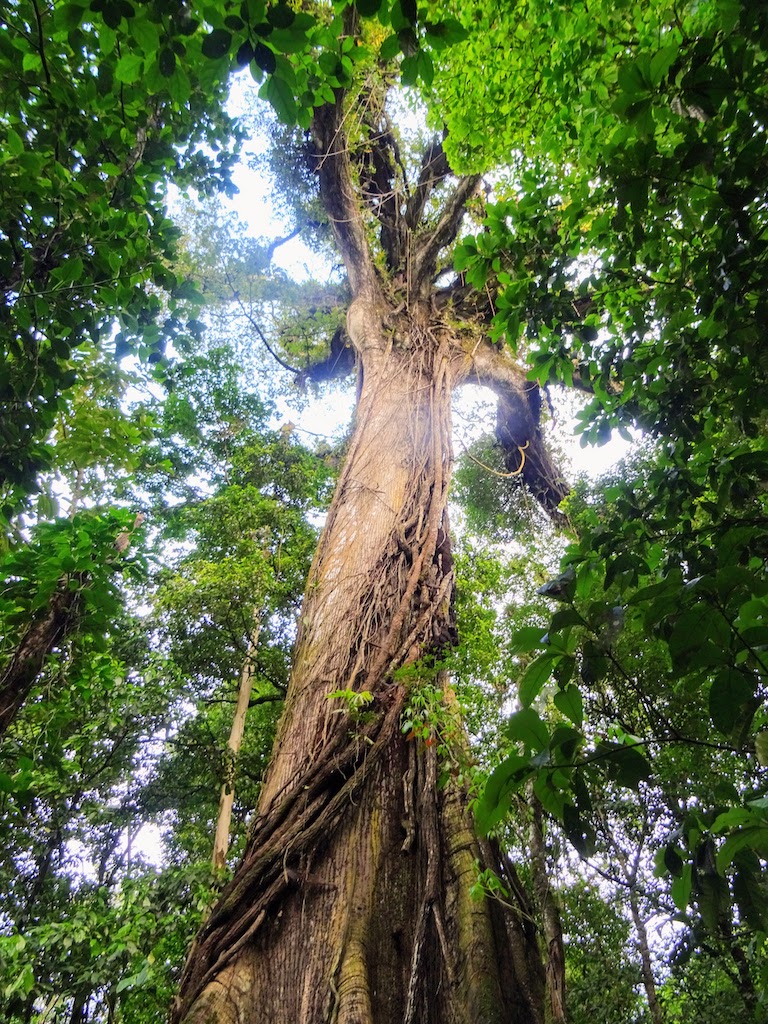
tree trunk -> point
(227, 798)
(649, 982)
(44, 634)
(550, 917)
(352, 904)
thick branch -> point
(434, 169)
(339, 363)
(378, 176)
(42, 636)
(518, 427)
(339, 197)
(466, 302)
(429, 244)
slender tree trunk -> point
(352, 904)
(649, 982)
(630, 872)
(550, 917)
(226, 800)
(79, 1014)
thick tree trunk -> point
(352, 904)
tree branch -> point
(518, 427)
(429, 244)
(338, 193)
(378, 176)
(434, 169)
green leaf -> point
(166, 61)
(288, 40)
(70, 271)
(565, 742)
(529, 638)
(129, 68)
(180, 88)
(146, 35)
(750, 893)
(526, 727)
(569, 702)
(564, 618)
(730, 690)
(280, 95)
(14, 143)
(534, 678)
(217, 44)
(673, 862)
(495, 799)
(245, 54)
(368, 7)
(409, 70)
(661, 62)
(446, 33)
(579, 831)
(626, 765)
(680, 890)
(32, 61)
(265, 58)
(752, 838)
(631, 80)
(280, 16)
(390, 47)
(425, 68)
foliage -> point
(599, 986)
(86, 241)
(88, 251)
(128, 719)
(644, 286)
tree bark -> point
(43, 635)
(227, 797)
(352, 904)
(550, 917)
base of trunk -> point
(377, 925)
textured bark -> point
(352, 903)
(518, 425)
(43, 635)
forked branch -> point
(433, 239)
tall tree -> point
(352, 900)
